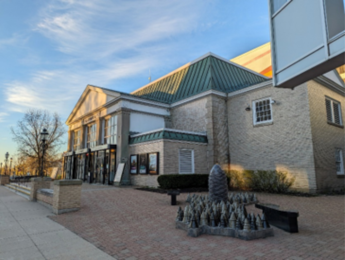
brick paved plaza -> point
(132, 224)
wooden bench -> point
(284, 219)
(173, 194)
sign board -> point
(119, 172)
(54, 173)
(307, 39)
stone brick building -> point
(209, 111)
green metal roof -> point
(209, 73)
(166, 134)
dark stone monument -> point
(217, 185)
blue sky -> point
(50, 50)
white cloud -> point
(53, 90)
(15, 39)
(97, 29)
(102, 41)
(2, 116)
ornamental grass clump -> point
(266, 181)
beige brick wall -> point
(149, 147)
(168, 159)
(66, 197)
(206, 114)
(326, 137)
(286, 144)
(217, 132)
(44, 198)
(38, 183)
(190, 116)
(171, 156)
(4, 179)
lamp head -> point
(44, 135)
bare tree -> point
(27, 136)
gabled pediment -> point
(91, 99)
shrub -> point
(268, 181)
(183, 181)
(239, 180)
(58, 177)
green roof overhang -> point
(168, 135)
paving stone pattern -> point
(131, 224)
(27, 234)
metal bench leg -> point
(173, 199)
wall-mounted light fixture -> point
(248, 108)
(273, 102)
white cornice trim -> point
(330, 84)
(170, 130)
(251, 88)
(203, 94)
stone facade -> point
(326, 137)
(39, 183)
(171, 156)
(190, 116)
(168, 159)
(122, 153)
(149, 147)
(4, 179)
(44, 198)
(207, 114)
(217, 132)
(67, 196)
(285, 144)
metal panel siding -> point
(206, 74)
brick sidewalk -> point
(131, 224)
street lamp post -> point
(6, 162)
(44, 135)
(10, 166)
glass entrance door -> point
(100, 167)
(75, 166)
(112, 166)
(81, 162)
(106, 167)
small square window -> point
(262, 112)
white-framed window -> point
(76, 140)
(91, 136)
(186, 161)
(333, 110)
(339, 161)
(86, 130)
(262, 111)
(110, 130)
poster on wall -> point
(134, 164)
(143, 163)
(153, 163)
